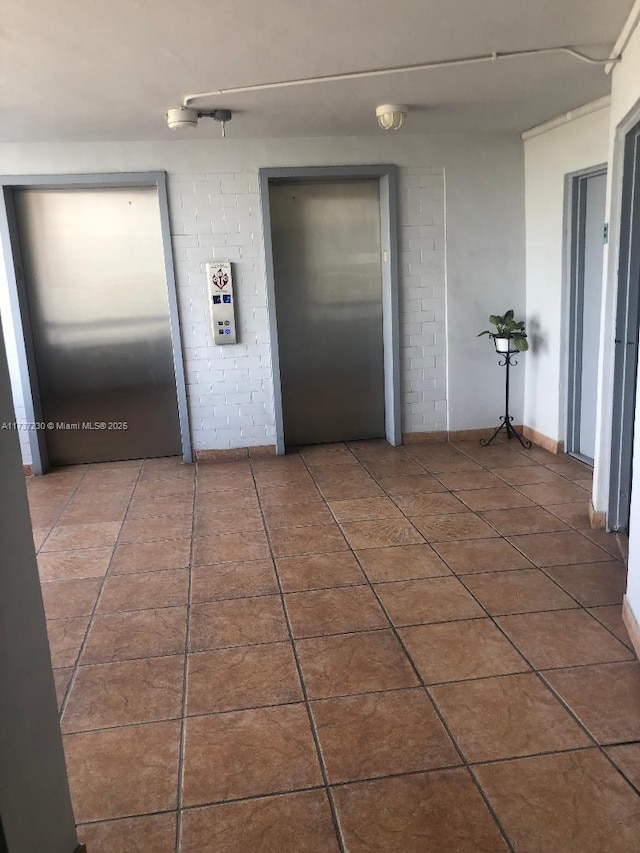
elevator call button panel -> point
(222, 302)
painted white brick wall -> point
(230, 389)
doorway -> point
(588, 200)
(626, 339)
(95, 311)
(330, 241)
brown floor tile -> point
(231, 547)
(71, 537)
(576, 515)
(405, 562)
(247, 677)
(592, 584)
(237, 622)
(289, 541)
(448, 464)
(45, 516)
(219, 523)
(555, 493)
(119, 694)
(470, 480)
(179, 490)
(382, 533)
(303, 515)
(293, 823)
(145, 591)
(154, 529)
(574, 803)
(61, 678)
(70, 598)
(91, 512)
(481, 555)
(453, 651)
(503, 497)
(352, 489)
(69, 565)
(525, 591)
(558, 549)
(65, 639)
(615, 544)
(151, 556)
(428, 600)
(448, 528)
(225, 482)
(148, 834)
(116, 477)
(151, 506)
(318, 571)
(611, 617)
(441, 503)
(627, 758)
(39, 536)
(334, 611)
(282, 476)
(506, 717)
(233, 580)
(381, 734)
(605, 698)
(145, 633)
(254, 752)
(571, 469)
(562, 638)
(528, 519)
(354, 663)
(338, 473)
(416, 484)
(364, 509)
(413, 814)
(396, 468)
(126, 771)
(243, 500)
(276, 496)
(524, 476)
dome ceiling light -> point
(391, 116)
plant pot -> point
(504, 343)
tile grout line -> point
(187, 640)
(312, 724)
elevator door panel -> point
(328, 283)
(97, 294)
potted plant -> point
(509, 334)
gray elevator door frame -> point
(587, 199)
(386, 175)
(18, 299)
(328, 284)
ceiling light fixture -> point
(391, 116)
(182, 118)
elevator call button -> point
(221, 302)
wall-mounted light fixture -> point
(391, 116)
(182, 118)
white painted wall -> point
(625, 109)
(548, 158)
(215, 213)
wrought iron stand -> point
(506, 419)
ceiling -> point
(96, 70)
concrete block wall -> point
(217, 216)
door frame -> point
(20, 319)
(387, 177)
(575, 220)
(627, 337)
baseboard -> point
(477, 434)
(631, 624)
(541, 440)
(27, 470)
(598, 520)
(424, 437)
(232, 454)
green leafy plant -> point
(506, 326)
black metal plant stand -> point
(506, 419)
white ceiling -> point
(108, 69)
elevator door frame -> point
(387, 177)
(20, 319)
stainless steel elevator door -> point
(328, 284)
(97, 294)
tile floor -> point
(352, 648)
